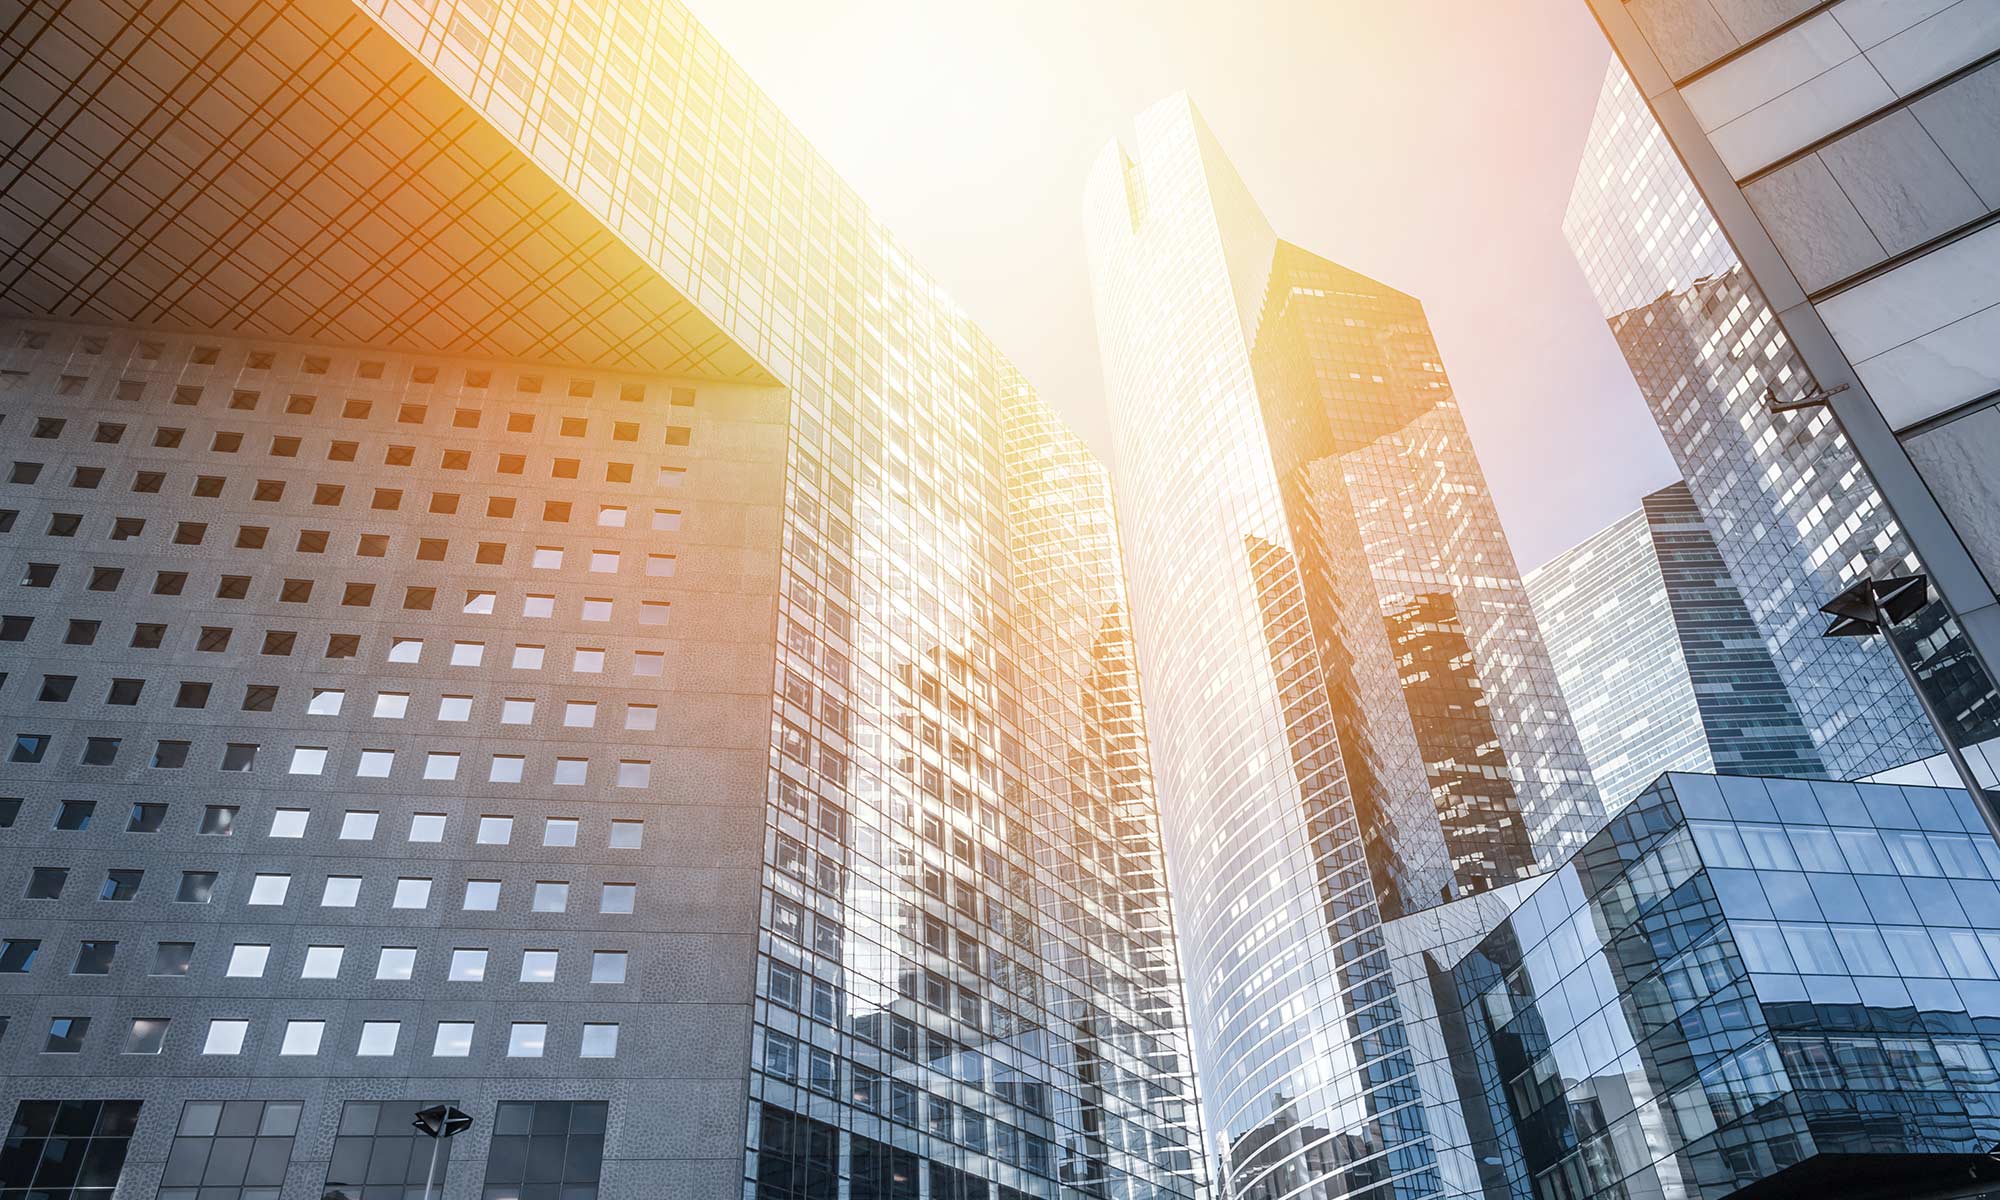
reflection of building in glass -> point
(1658, 656)
(608, 640)
(1351, 712)
(1793, 514)
(1770, 987)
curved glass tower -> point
(1351, 712)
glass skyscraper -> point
(1352, 713)
(1792, 512)
(521, 594)
(1662, 665)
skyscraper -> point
(1663, 668)
(521, 594)
(1793, 514)
(1352, 712)
(1847, 152)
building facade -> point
(1794, 515)
(528, 598)
(1744, 987)
(1352, 713)
(1847, 153)
(1661, 662)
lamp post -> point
(1872, 606)
(438, 1123)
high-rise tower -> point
(1793, 514)
(520, 594)
(1352, 712)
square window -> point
(627, 835)
(642, 716)
(396, 962)
(225, 1036)
(75, 815)
(197, 887)
(454, 708)
(564, 468)
(468, 966)
(528, 658)
(307, 760)
(270, 890)
(634, 773)
(453, 1040)
(580, 714)
(325, 702)
(100, 751)
(660, 565)
(517, 711)
(376, 764)
(322, 962)
(340, 891)
(571, 772)
(482, 895)
(94, 958)
(378, 1038)
(596, 609)
(547, 558)
(66, 1036)
(666, 518)
(600, 1041)
(589, 660)
(538, 966)
(559, 831)
(495, 831)
(538, 606)
(611, 516)
(427, 827)
(289, 822)
(526, 1039)
(358, 825)
(120, 885)
(491, 553)
(551, 897)
(440, 765)
(412, 893)
(648, 664)
(506, 768)
(478, 604)
(146, 818)
(405, 649)
(260, 697)
(239, 756)
(247, 961)
(302, 1038)
(618, 898)
(392, 705)
(467, 654)
(654, 612)
(607, 966)
(605, 562)
(173, 959)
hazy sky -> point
(1428, 143)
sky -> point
(1427, 143)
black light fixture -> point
(1871, 606)
(438, 1122)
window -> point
(302, 1038)
(547, 558)
(478, 604)
(427, 827)
(538, 606)
(467, 654)
(467, 966)
(571, 772)
(604, 562)
(46, 883)
(75, 814)
(617, 897)
(225, 1036)
(506, 768)
(453, 1040)
(495, 831)
(557, 1144)
(396, 962)
(219, 820)
(482, 895)
(170, 755)
(238, 1150)
(392, 705)
(596, 609)
(66, 1035)
(120, 885)
(517, 711)
(378, 1039)
(239, 756)
(17, 955)
(270, 889)
(600, 1041)
(454, 708)
(358, 825)
(94, 958)
(634, 773)
(146, 818)
(289, 822)
(642, 716)
(526, 658)
(559, 831)
(611, 516)
(308, 760)
(412, 893)
(538, 966)
(172, 958)
(148, 1035)
(197, 887)
(551, 897)
(57, 1143)
(579, 714)
(589, 660)
(440, 765)
(607, 966)
(341, 891)
(526, 1039)
(247, 961)
(375, 764)
(322, 962)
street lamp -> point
(1872, 606)
(438, 1123)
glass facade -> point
(1793, 514)
(1744, 981)
(1656, 651)
(781, 770)
(1366, 723)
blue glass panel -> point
(1936, 900)
(1740, 894)
(1700, 796)
(1886, 807)
(1889, 901)
(1747, 799)
(1839, 898)
(1790, 897)
(1795, 801)
(1933, 807)
(1842, 803)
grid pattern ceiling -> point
(290, 170)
